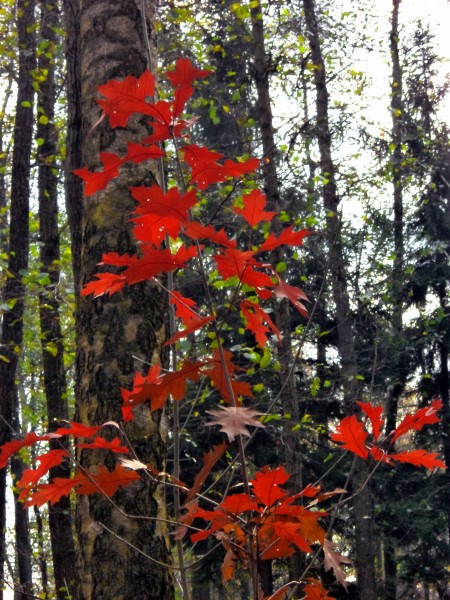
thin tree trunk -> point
(73, 184)
(14, 290)
(397, 358)
(289, 396)
(118, 552)
(60, 518)
(365, 551)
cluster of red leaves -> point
(266, 522)
(353, 435)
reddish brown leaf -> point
(314, 590)
(234, 420)
(215, 371)
(351, 434)
(334, 560)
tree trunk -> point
(14, 290)
(365, 552)
(119, 553)
(73, 184)
(60, 518)
(289, 399)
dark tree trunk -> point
(119, 553)
(73, 184)
(289, 399)
(60, 518)
(14, 290)
(365, 552)
(397, 346)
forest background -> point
(376, 270)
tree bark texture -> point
(365, 552)
(14, 289)
(119, 540)
(60, 518)
(289, 398)
(73, 184)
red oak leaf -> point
(287, 237)
(113, 445)
(351, 434)
(182, 79)
(14, 446)
(184, 307)
(255, 318)
(215, 371)
(46, 461)
(194, 325)
(138, 153)
(197, 231)
(293, 294)
(54, 491)
(420, 458)
(253, 211)
(209, 460)
(241, 264)
(104, 283)
(234, 420)
(374, 415)
(424, 416)
(96, 181)
(123, 98)
(79, 430)
(266, 484)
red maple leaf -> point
(351, 434)
(232, 262)
(104, 283)
(424, 416)
(184, 307)
(197, 231)
(253, 211)
(194, 325)
(139, 153)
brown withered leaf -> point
(234, 420)
(334, 560)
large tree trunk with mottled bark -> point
(123, 543)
